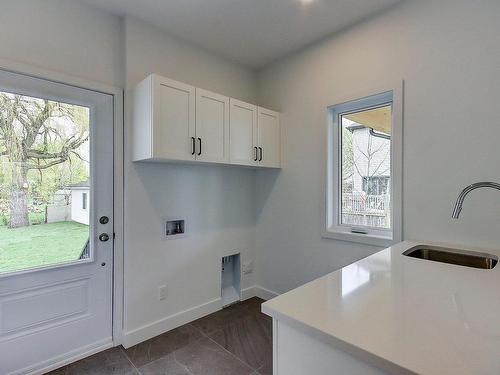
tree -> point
(36, 134)
(347, 160)
(372, 154)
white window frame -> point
(333, 228)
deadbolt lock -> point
(104, 220)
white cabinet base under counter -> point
(299, 352)
(393, 313)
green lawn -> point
(42, 244)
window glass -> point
(365, 142)
(44, 166)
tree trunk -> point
(18, 198)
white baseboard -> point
(247, 293)
(257, 291)
(66, 358)
(264, 293)
(135, 336)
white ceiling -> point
(251, 32)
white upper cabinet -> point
(255, 135)
(164, 120)
(243, 133)
(173, 121)
(269, 138)
(212, 127)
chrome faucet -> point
(467, 190)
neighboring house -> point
(372, 161)
(80, 202)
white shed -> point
(80, 202)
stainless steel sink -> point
(453, 256)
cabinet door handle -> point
(193, 145)
(256, 154)
(199, 151)
(261, 153)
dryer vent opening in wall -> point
(230, 279)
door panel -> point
(55, 310)
(212, 126)
(174, 122)
(43, 306)
(243, 133)
(269, 138)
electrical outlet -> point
(162, 292)
(247, 267)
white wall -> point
(447, 51)
(63, 36)
(217, 202)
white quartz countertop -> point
(403, 314)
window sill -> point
(367, 239)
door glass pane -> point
(366, 167)
(44, 182)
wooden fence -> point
(366, 210)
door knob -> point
(103, 237)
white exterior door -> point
(55, 304)
(269, 138)
(243, 133)
(212, 126)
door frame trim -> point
(118, 177)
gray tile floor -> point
(234, 341)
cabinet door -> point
(269, 138)
(173, 119)
(212, 126)
(243, 133)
